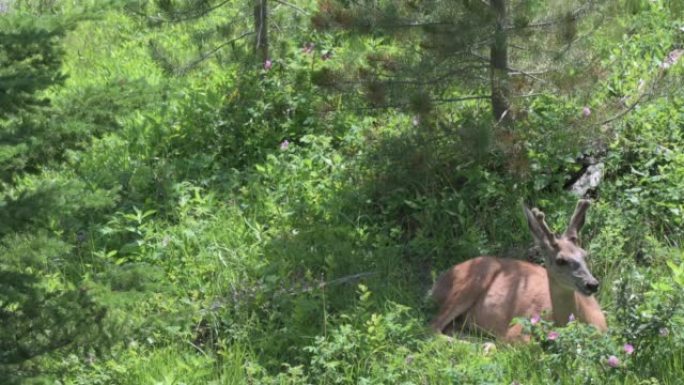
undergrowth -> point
(236, 224)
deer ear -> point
(540, 231)
(577, 220)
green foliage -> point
(40, 310)
(30, 60)
(427, 57)
(575, 352)
(181, 214)
(643, 343)
(389, 347)
(645, 172)
(650, 308)
(364, 339)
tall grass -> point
(309, 263)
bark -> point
(499, 65)
(261, 30)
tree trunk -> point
(261, 30)
(499, 65)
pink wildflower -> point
(628, 348)
(672, 58)
(268, 64)
(586, 112)
(535, 319)
(284, 145)
(613, 362)
(571, 318)
(552, 336)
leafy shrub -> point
(650, 311)
(389, 347)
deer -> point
(486, 293)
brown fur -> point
(486, 293)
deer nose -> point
(592, 287)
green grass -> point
(222, 259)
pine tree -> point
(35, 319)
(497, 50)
(30, 61)
(244, 33)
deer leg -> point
(514, 334)
(452, 308)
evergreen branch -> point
(482, 58)
(513, 71)
(532, 49)
(204, 56)
(581, 10)
(433, 80)
(293, 6)
(205, 12)
(416, 25)
(462, 99)
(530, 95)
(528, 74)
(406, 104)
(177, 17)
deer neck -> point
(562, 302)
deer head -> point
(565, 259)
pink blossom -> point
(552, 336)
(535, 319)
(571, 318)
(672, 58)
(268, 64)
(284, 145)
(586, 111)
(613, 361)
(628, 348)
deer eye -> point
(561, 262)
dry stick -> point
(643, 95)
(347, 278)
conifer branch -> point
(180, 16)
(293, 6)
(205, 55)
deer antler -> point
(577, 220)
(542, 224)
